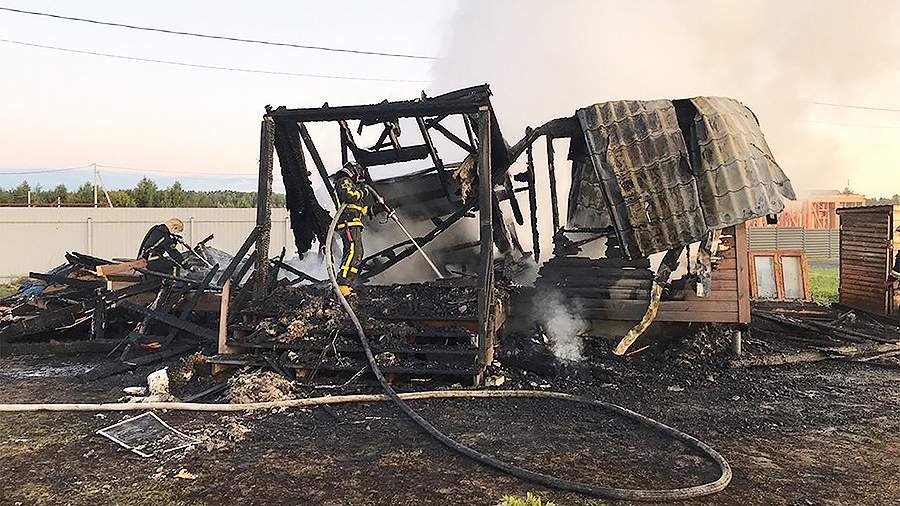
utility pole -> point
(96, 182)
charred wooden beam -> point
(264, 205)
(169, 320)
(380, 112)
(192, 302)
(242, 251)
(107, 370)
(551, 170)
(438, 163)
(451, 136)
(297, 272)
(532, 200)
(388, 156)
(393, 258)
(83, 284)
(317, 161)
(485, 197)
(513, 203)
(245, 268)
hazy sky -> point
(59, 110)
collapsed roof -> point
(663, 173)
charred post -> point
(485, 200)
(532, 200)
(263, 206)
(551, 170)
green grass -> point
(823, 283)
(529, 500)
(8, 289)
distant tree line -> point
(883, 201)
(145, 194)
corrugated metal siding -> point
(737, 176)
(641, 177)
(866, 246)
(38, 238)
(816, 243)
(642, 167)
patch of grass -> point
(7, 289)
(529, 500)
(823, 283)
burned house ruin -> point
(648, 177)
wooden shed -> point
(870, 237)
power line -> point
(219, 37)
(43, 171)
(214, 67)
(855, 125)
(176, 173)
(115, 168)
(849, 106)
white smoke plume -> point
(546, 59)
(562, 323)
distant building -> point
(816, 211)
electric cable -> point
(213, 67)
(218, 37)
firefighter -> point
(161, 240)
(362, 202)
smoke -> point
(561, 322)
(544, 60)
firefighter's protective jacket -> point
(357, 197)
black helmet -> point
(352, 170)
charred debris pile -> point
(138, 312)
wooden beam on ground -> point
(853, 352)
(169, 320)
(188, 308)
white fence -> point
(37, 238)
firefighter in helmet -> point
(161, 241)
(362, 202)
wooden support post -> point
(317, 161)
(532, 200)
(551, 169)
(264, 206)
(98, 319)
(485, 198)
(223, 348)
(742, 262)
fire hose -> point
(661, 495)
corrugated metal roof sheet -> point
(737, 176)
(641, 163)
(639, 177)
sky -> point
(66, 110)
(202, 126)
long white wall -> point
(37, 238)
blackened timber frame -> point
(474, 106)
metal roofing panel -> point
(737, 176)
(641, 168)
